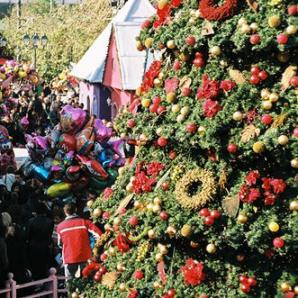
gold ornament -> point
(294, 206)
(171, 97)
(283, 140)
(240, 257)
(194, 244)
(274, 97)
(211, 248)
(157, 201)
(294, 163)
(185, 110)
(148, 42)
(242, 21)
(180, 118)
(171, 44)
(122, 287)
(258, 147)
(176, 108)
(75, 295)
(120, 267)
(196, 177)
(274, 21)
(97, 212)
(151, 234)
(242, 218)
(157, 83)
(273, 227)
(161, 75)
(292, 29)
(117, 221)
(186, 231)
(265, 93)
(158, 257)
(238, 116)
(254, 27)
(245, 29)
(285, 287)
(139, 45)
(156, 285)
(171, 231)
(162, 3)
(267, 105)
(215, 51)
(296, 290)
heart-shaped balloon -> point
(72, 119)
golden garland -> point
(208, 188)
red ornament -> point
(243, 279)
(156, 101)
(164, 215)
(209, 221)
(97, 277)
(186, 92)
(165, 186)
(255, 39)
(176, 65)
(172, 154)
(254, 79)
(106, 215)
(153, 108)
(191, 128)
(193, 272)
(204, 212)
(245, 288)
(161, 110)
(146, 24)
(190, 40)
(198, 62)
(263, 75)
(294, 81)
(255, 70)
(215, 214)
(204, 296)
(212, 12)
(232, 148)
(162, 142)
(171, 293)
(103, 257)
(138, 274)
(282, 38)
(295, 132)
(133, 221)
(131, 123)
(278, 242)
(252, 281)
(267, 119)
(292, 10)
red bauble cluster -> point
(94, 269)
(169, 294)
(155, 107)
(199, 61)
(293, 10)
(267, 119)
(246, 283)
(210, 216)
(257, 75)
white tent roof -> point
(126, 25)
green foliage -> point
(70, 29)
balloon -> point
(41, 142)
(67, 142)
(47, 163)
(40, 172)
(5, 143)
(58, 189)
(24, 121)
(73, 173)
(72, 119)
(85, 141)
(95, 168)
(102, 132)
(55, 135)
(68, 158)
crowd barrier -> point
(51, 287)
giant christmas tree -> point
(208, 206)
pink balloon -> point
(72, 119)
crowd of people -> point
(35, 111)
(29, 242)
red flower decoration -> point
(208, 89)
(252, 177)
(122, 243)
(133, 294)
(227, 85)
(266, 184)
(251, 116)
(211, 12)
(142, 183)
(278, 185)
(193, 272)
(154, 168)
(176, 3)
(90, 269)
(150, 75)
(171, 85)
(211, 108)
(254, 194)
(107, 193)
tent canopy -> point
(126, 26)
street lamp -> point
(36, 41)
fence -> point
(52, 289)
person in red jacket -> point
(73, 234)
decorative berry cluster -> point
(257, 75)
(209, 216)
(246, 283)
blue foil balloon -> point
(40, 172)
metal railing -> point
(50, 286)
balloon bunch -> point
(7, 157)
(79, 152)
(64, 82)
